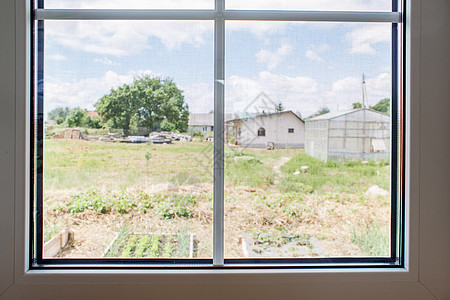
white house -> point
(284, 129)
(203, 123)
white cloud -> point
(105, 61)
(349, 90)
(120, 38)
(260, 29)
(310, 54)
(273, 58)
(86, 92)
(296, 93)
(56, 57)
(363, 38)
(199, 96)
(303, 94)
(323, 48)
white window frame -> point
(422, 198)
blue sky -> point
(303, 65)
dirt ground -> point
(331, 222)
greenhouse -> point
(359, 133)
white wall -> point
(430, 174)
(276, 126)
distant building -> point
(281, 129)
(203, 123)
(93, 114)
(359, 133)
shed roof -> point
(335, 114)
(268, 114)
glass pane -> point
(127, 149)
(307, 162)
(130, 4)
(330, 5)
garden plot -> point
(153, 245)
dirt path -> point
(277, 166)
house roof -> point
(204, 119)
(335, 114)
(92, 114)
(201, 120)
(267, 115)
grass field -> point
(96, 187)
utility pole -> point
(364, 92)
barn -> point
(281, 129)
(359, 133)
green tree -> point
(321, 111)
(383, 106)
(149, 101)
(357, 105)
(59, 114)
(76, 118)
(93, 122)
(119, 107)
(279, 107)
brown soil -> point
(329, 220)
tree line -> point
(383, 106)
(150, 102)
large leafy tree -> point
(383, 106)
(149, 101)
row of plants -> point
(153, 245)
(167, 206)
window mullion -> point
(249, 15)
(219, 84)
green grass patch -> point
(373, 239)
(349, 176)
(247, 168)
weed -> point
(372, 238)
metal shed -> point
(359, 133)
